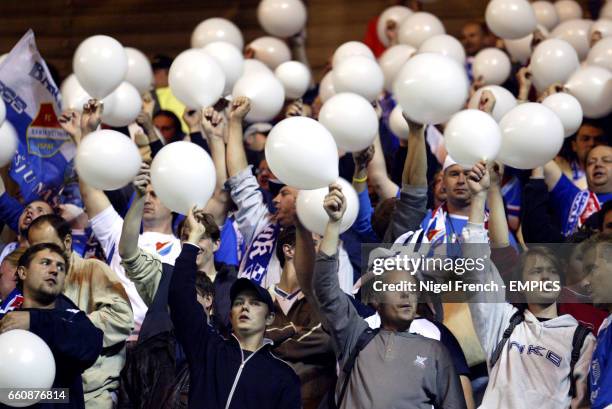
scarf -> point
(260, 253)
(12, 302)
(584, 205)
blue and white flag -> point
(33, 104)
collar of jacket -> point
(266, 342)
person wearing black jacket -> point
(74, 341)
(240, 372)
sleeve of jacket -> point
(363, 223)
(538, 226)
(145, 271)
(113, 311)
(252, 213)
(72, 337)
(10, 210)
(581, 372)
(449, 393)
(409, 212)
(306, 344)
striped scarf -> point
(12, 302)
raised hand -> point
(91, 117)
(70, 121)
(296, 108)
(413, 126)
(496, 172)
(142, 180)
(213, 123)
(476, 85)
(148, 103)
(486, 102)
(240, 108)
(391, 32)
(193, 119)
(196, 229)
(145, 121)
(335, 203)
(479, 179)
(524, 78)
(363, 158)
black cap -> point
(161, 62)
(245, 284)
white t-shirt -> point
(107, 227)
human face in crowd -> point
(607, 223)
(256, 142)
(8, 278)
(160, 77)
(541, 269)
(438, 190)
(598, 269)
(249, 315)
(154, 210)
(207, 248)
(575, 267)
(397, 309)
(206, 301)
(32, 211)
(43, 280)
(264, 174)
(473, 38)
(587, 137)
(166, 127)
(599, 169)
(45, 233)
(285, 206)
(455, 185)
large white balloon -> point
(351, 49)
(553, 61)
(252, 66)
(73, 95)
(392, 61)
(265, 92)
(295, 78)
(2, 111)
(196, 79)
(302, 153)
(282, 18)
(592, 86)
(446, 45)
(183, 175)
(107, 160)
(230, 60)
(520, 50)
(417, 28)
(26, 362)
(393, 13)
(604, 26)
(360, 75)
(431, 88)
(532, 135)
(139, 73)
(326, 88)
(472, 135)
(504, 100)
(546, 14)
(577, 33)
(216, 29)
(8, 143)
(398, 123)
(271, 51)
(122, 106)
(100, 64)
(310, 211)
(601, 54)
(351, 120)
(568, 109)
(568, 10)
(493, 65)
(510, 19)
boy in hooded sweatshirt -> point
(531, 367)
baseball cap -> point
(161, 62)
(243, 284)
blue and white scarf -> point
(260, 253)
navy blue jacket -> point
(75, 343)
(217, 367)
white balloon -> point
(472, 135)
(504, 100)
(271, 51)
(100, 64)
(252, 66)
(568, 109)
(417, 28)
(532, 135)
(546, 14)
(230, 60)
(8, 143)
(520, 50)
(431, 88)
(326, 88)
(592, 86)
(302, 153)
(392, 61)
(196, 79)
(568, 10)
(601, 54)
(122, 106)
(73, 95)
(553, 60)
(351, 49)
(606, 11)
(360, 75)
(393, 13)
(183, 175)
(2, 111)
(493, 65)
(139, 73)
(282, 18)
(604, 26)
(216, 29)
(266, 94)
(510, 19)
(310, 211)
(577, 33)
(398, 124)
(446, 45)
(295, 78)
(107, 160)
(25, 362)
(351, 120)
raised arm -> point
(552, 174)
(304, 259)
(498, 223)
(377, 173)
(298, 51)
(128, 244)
(236, 156)
(10, 209)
